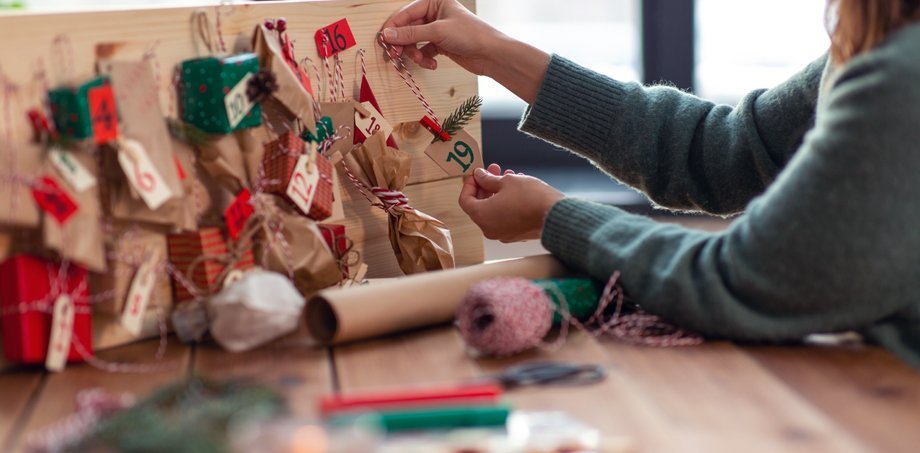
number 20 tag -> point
(458, 156)
(302, 186)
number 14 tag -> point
(458, 156)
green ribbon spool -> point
(581, 296)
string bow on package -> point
(421, 242)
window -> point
(750, 44)
(600, 34)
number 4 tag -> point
(458, 156)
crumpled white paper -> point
(260, 307)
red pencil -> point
(467, 395)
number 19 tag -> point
(302, 187)
(458, 156)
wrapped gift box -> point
(281, 157)
(186, 248)
(334, 235)
(205, 83)
(71, 109)
(127, 248)
(26, 306)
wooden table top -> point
(713, 397)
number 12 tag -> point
(458, 156)
(302, 187)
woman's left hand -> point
(510, 207)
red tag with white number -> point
(54, 200)
(103, 114)
(302, 187)
(238, 213)
(61, 333)
(334, 38)
(132, 319)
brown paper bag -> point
(81, 239)
(343, 121)
(421, 242)
(141, 119)
(251, 142)
(222, 158)
(291, 94)
(18, 163)
(303, 254)
(197, 203)
(127, 245)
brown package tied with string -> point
(291, 94)
(336, 316)
(421, 242)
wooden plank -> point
(292, 365)
(166, 32)
(17, 388)
(866, 390)
(716, 398)
(57, 397)
(369, 226)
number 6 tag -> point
(458, 156)
(142, 174)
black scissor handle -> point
(552, 373)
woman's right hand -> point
(447, 28)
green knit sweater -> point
(825, 169)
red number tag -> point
(54, 200)
(334, 38)
(103, 115)
(238, 213)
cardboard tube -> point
(338, 316)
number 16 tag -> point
(458, 156)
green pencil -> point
(431, 418)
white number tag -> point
(302, 187)
(71, 169)
(139, 294)
(372, 123)
(142, 174)
(237, 103)
(61, 333)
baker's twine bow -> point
(346, 258)
(92, 406)
(637, 328)
(391, 201)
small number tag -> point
(302, 187)
(139, 294)
(238, 213)
(334, 38)
(61, 333)
(237, 102)
(71, 169)
(372, 123)
(458, 156)
(142, 174)
(103, 115)
(232, 277)
(54, 200)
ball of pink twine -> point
(504, 316)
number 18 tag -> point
(302, 187)
(458, 156)
(373, 122)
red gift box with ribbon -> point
(280, 162)
(206, 250)
(29, 287)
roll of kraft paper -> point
(338, 316)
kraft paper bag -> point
(81, 238)
(291, 93)
(142, 120)
(421, 242)
(128, 245)
(302, 254)
(18, 163)
(343, 123)
(222, 158)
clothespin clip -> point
(434, 128)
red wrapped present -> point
(29, 286)
(288, 175)
(207, 250)
(334, 235)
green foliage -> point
(462, 116)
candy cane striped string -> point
(223, 8)
(361, 59)
(406, 76)
(10, 91)
(92, 406)
(150, 55)
(340, 76)
(62, 52)
(389, 200)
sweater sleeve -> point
(683, 152)
(832, 244)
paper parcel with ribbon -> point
(291, 93)
(421, 242)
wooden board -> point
(57, 396)
(867, 382)
(67, 45)
(292, 365)
(17, 388)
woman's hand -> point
(445, 27)
(510, 207)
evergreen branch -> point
(462, 116)
(188, 133)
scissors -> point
(550, 373)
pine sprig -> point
(188, 133)
(462, 116)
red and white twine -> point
(406, 76)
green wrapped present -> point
(70, 109)
(214, 92)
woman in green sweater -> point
(824, 168)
